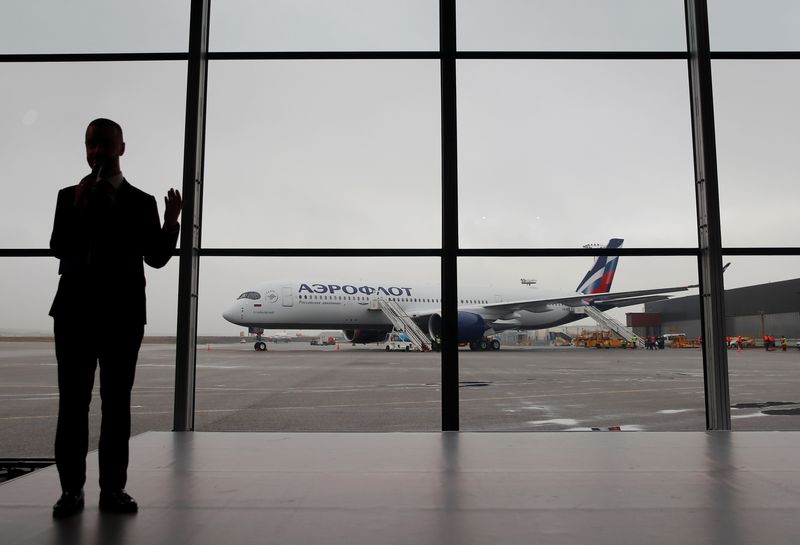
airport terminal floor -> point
(317, 445)
(433, 488)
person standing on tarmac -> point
(783, 343)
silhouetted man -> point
(104, 229)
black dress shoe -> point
(70, 503)
(117, 501)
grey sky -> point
(346, 153)
(54, 26)
(94, 26)
(571, 25)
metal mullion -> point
(449, 263)
(188, 275)
(323, 55)
(788, 250)
(755, 55)
(435, 252)
(93, 57)
(26, 252)
(574, 55)
(319, 252)
(712, 291)
(576, 252)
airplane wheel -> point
(473, 346)
(257, 346)
(495, 344)
(261, 346)
(408, 348)
(387, 348)
(483, 345)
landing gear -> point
(485, 344)
(260, 345)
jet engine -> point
(471, 326)
(364, 336)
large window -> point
(570, 25)
(355, 166)
(318, 377)
(325, 25)
(757, 140)
(28, 374)
(93, 26)
(550, 148)
(559, 375)
(747, 25)
(763, 303)
(370, 140)
(42, 146)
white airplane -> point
(352, 306)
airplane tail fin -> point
(600, 276)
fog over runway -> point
(297, 387)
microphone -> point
(97, 169)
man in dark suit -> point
(104, 229)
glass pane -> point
(549, 150)
(570, 25)
(561, 366)
(746, 25)
(762, 298)
(323, 154)
(93, 26)
(757, 142)
(314, 25)
(311, 376)
(28, 373)
(42, 141)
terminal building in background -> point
(771, 309)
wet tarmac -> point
(298, 387)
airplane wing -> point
(604, 301)
(608, 300)
(605, 305)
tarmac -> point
(295, 387)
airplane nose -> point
(232, 314)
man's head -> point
(104, 145)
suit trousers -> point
(80, 345)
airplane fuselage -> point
(328, 305)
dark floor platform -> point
(433, 488)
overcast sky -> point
(347, 153)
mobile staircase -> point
(606, 321)
(402, 322)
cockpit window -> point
(250, 295)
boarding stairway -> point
(402, 322)
(610, 323)
(560, 335)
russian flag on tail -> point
(600, 276)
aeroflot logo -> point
(352, 290)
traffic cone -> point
(209, 348)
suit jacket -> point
(101, 251)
